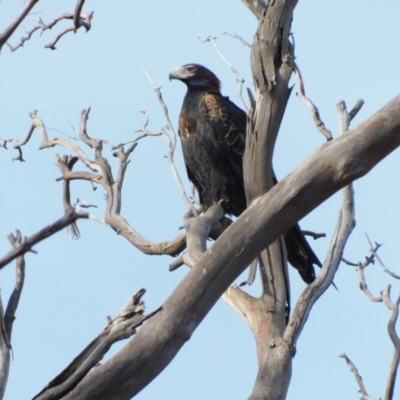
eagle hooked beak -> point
(175, 74)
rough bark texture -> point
(327, 170)
(271, 62)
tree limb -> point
(358, 377)
(7, 318)
(27, 244)
(121, 327)
(314, 110)
(17, 21)
(255, 6)
(394, 337)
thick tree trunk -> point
(271, 62)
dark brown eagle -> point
(213, 134)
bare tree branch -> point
(314, 235)
(44, 233)
(315, 113)
(236, 36)
(358, 377)
(255, 6)
(79, 19)
(9, 315)
(344, 227)
(239, 78)
(5, 347)
(198, 230)
(394, 337)
(394, 308)
(17, 21)
(171, 146)
(7, 318)
(375, 254)
(121, 327)
(364, 286)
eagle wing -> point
(227, 125)
(211, 129)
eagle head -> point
(196, 76)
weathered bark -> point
(327, 170)
(17, 21)
(121, 327)
(272, 66)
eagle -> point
(213, 135)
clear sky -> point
(345, 50)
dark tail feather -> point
(300, 254)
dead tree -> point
(271, 211)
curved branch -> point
(255, 6)
(358, 377)
(14, 25)
(27, 244)
(394, 337)
(121, 327)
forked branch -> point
(121, 327)
(394, 308)
(28, 242)
(101, 174)
(17, 21)
(79, 20)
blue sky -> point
(345, 50)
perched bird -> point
(213, 133)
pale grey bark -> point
(121, 327)
(4, 354)
(327, 170)
(7, 316)
(17, 21)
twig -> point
(52, 45)
(121, 327)
(236, 36)
(358, 377)
(9, 316)
(364, 286)
(394, 308)
(314, 110)
(239, 79)
(5, 347)
(79, 20)
(44, 233)
(17, 21)
(349, 262)
(171, 145)
(374, 253)
(314, 235)
(177, 263)
(357, 107)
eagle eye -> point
(190, 69)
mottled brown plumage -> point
(213, 134)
